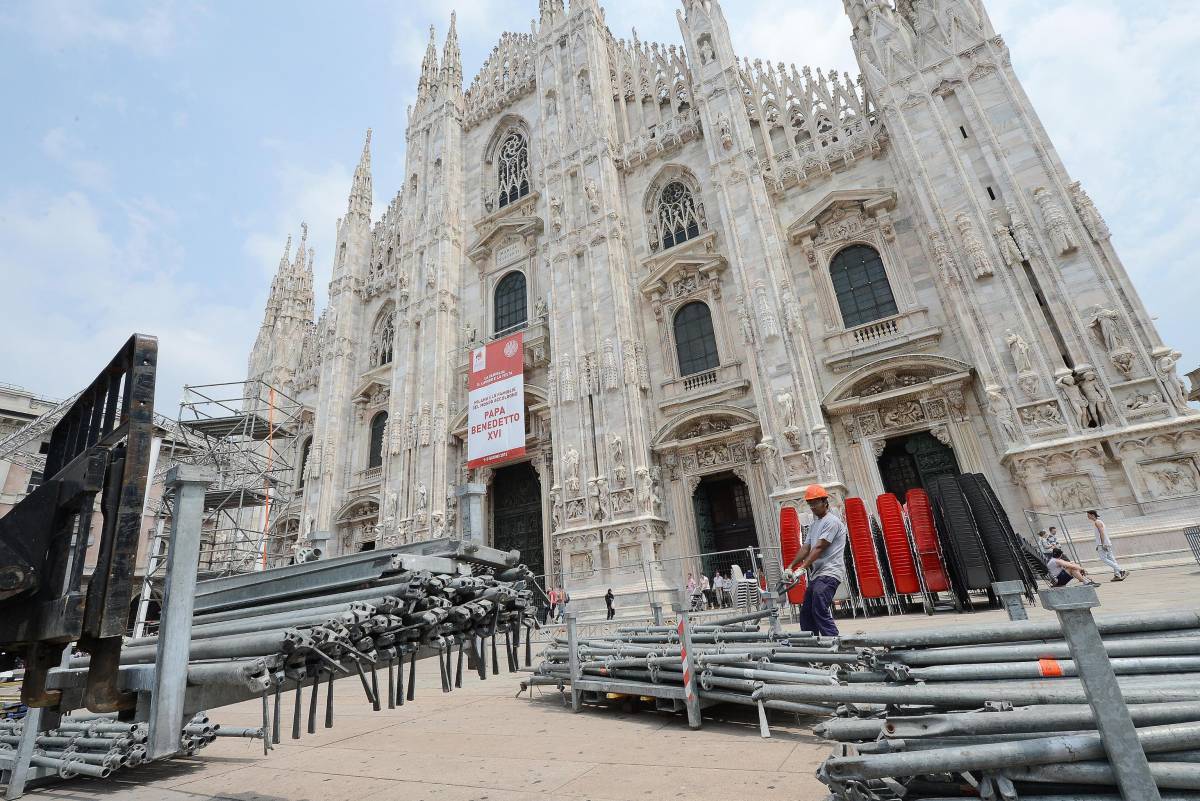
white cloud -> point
(65, 149)
(814, 34)
(86, 283)
(148, 28)
(316, 196)
(1114, 85)
(108, 100)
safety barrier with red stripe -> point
(929, 551)
(866, 566)
(689, 683)
(895, 539)
(789, 546)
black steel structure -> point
(100, 447)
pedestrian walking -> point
(824, 552)
(1104, 547)
(1062, 570)
(706, 588)
(608, 602)
(554, 597)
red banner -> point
(496, 402)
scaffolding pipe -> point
(998, 756)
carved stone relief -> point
(1058, 227)
(1010, 251)
(977, 256)
(1073, 492)
(1171, 477)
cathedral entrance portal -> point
(912, 461)
(516, 501)
(724, 518)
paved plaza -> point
(482, 744)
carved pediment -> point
(516, 219)
(697, 260)
(373, 390)
(841, 207)
(895, 378)
(363, 508)
(713, 422)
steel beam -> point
(1074, 608)
(179, 589)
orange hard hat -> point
(815, 492)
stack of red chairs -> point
(866, 566)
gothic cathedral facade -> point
(734, 279)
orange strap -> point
(1050, 668)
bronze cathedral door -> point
(516, 501)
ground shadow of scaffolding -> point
(729, 719)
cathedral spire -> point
(300, 251)
(360, 191)
(549, 10)
(452, 58)
(287, 255)
(429, 68)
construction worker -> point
(824, 552)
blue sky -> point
(154, 156)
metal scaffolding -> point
(243, 433)
(21, 446)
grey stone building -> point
(734, 279)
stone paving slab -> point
(480, 743)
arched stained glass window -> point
(375, 448)
(861, 285)
(510, 302)
(678, 218)
(695, 342)
(383, 339)
(512, 170)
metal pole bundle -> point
(98, 746)
(1081, 708)
(1027, 709)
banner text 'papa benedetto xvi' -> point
(496, 397)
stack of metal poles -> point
(730, 658)
(994, 712)
(283, 648)
(98, 745)
(1001, 712)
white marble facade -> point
(626, 180)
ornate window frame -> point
(651, 204)
(509, 125)
(498, 278)
(682, 280)
(675, 335)
(381, 344)
(383, 439)
(842, 219)
(833, 263)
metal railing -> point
(1145, 533)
